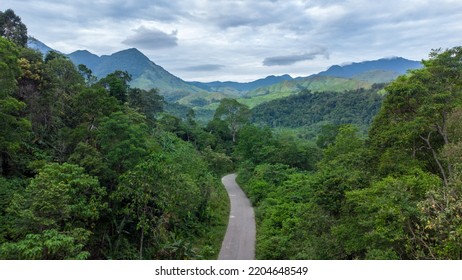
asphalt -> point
(239, 241)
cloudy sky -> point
(242, 40)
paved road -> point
(239, 242)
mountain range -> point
(396, 65)
(146, 75)
(241, 87)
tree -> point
(326, 135)
(235, 114)
(86, 72)
(61, 83)
(385, 214)
(116, 84)
(414, 115)
(14, 128)
(438, 234)
(12, 28)
(122, 140)
(165, 195)
(255, 144)
(55, 215)
(148, 103)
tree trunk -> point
(435, 157)
(141, 243)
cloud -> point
(240, 34)
(204, 68)
(294, 58)
(152, 39)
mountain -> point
(229, 86)
(313, 110)
(86, 58)
(312, 83)
(145, 73)
(335, 79)
(37, 45)
(398, 65)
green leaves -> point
(59, 196)
(14, 128)
(12, 28)
(236, 115)
(166, 194)
(117, 84)
(48, 245)
(386, 212)
(55, 214)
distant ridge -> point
(397, 65)
(38, 46)
(85, 57)
(243, 87)
(145, 73)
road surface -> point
(239, 241)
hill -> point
(313, 84)
(335, 79)
(205, 96)
(313, 110)
(145, 73)
(397, 65)
(229, 86)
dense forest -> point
(96, 169)
(395, 194)
(93, 169)
(312, 111)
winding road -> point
(239, 241)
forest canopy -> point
(97, 169)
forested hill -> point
(397, 65)
(394, 194)
(242, 87)
(312, 110)
(145, 74)
(92, 168)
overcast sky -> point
(242, 40)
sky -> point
(243, 40)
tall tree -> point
(12, 28)
(86, 72)
(414, 115)
(235, 114)
(148, 103)
(117, 84)
(13, 126)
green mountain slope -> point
(145, 73)
(241, 88)
(313, 83)
(312, 110)
(377, 76)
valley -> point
(205, 97)
(113, 157)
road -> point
(239, 241)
